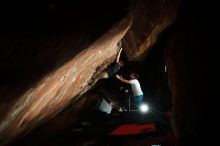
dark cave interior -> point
(26, 27)
(154, 82)
(61, 17)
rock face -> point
(56, 89)
(44, 98)
(150, 18)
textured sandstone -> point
(150, 18)
(56, 90)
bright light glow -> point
(165, 68)
(144, 108)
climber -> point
(113, 69)
(110, 71)
(135, 85)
